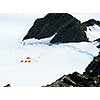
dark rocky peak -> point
(91, 22)
(65, 26)
(47, 26)
(56, 16)
(88, 23)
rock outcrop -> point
(90, 78)
(88, 23)
(8, 85)
(93, 69)
(64, 26)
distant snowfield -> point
(49, 62)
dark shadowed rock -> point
(90, 78)
(88, 23)
(8, 85)
(93, 68)
(76, 80)
(70, 33)
(72, 80)
(64, 81)
(98, 46)
(65, 27)
(98, 40)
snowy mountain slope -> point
(93, 32)
(49, 62)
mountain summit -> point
(64, 26)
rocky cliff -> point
(89, 78)
(64, 26)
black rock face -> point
(93, 69)
(64, 26)
(90, 78)
(8, 85)
(70, 33)
(90, 22)
(73, 80)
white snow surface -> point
(49, 62)
(93, 32)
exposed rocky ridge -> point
(88, 23)
(65, 27)
(90, 78)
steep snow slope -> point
(49, 62)
(93, 32)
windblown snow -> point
(47, 62)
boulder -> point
(8, 85)
(63, 26)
